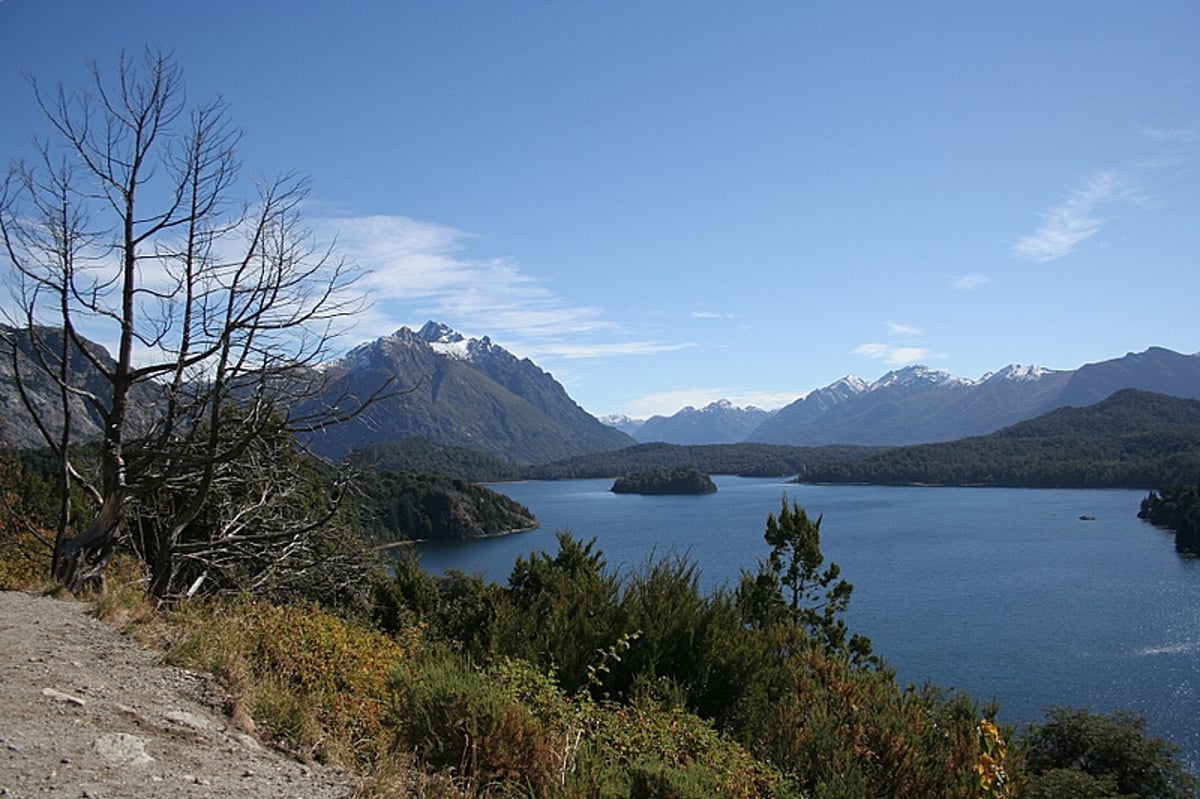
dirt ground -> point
(87, 712)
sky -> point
(665, 203)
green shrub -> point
(314, 682)
(1112, 748)
(505, 726)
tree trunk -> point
(85, 557)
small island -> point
(665, 481)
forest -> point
(1176, 507)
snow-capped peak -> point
(917, 374)
(446, 341)
(1017, 372)
(852, 384)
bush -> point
(1113, 749)
(479, 725)
(316, 683)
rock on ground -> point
(86, 712)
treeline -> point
(1134, 439)
(746, 460)
(406, 506)
(420, 454)
(665, 481)
(1177, 508)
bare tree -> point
(128, 227)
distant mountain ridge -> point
(918, 404)
(1131, 439)
(719, 422)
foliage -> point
(776, 672)
(669, 480)
(425, 456)
(791, 589)
(26, 545)
(1133, 439)
(559, 611)
(404, 506)
(1114, 750)
(456, 610)
(748, 460)
(478, 722)
(1178, 508)
(844, 731)
(507, 729)
(315, 683)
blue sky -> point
(667, 203)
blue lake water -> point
(1001, 593)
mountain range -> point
(472, 394)
(918, 404)
(719, 422)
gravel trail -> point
(87, 712)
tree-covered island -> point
(665, 481)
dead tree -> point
(129, 227)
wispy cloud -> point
(564, 349)
(969, 282)
(897, 329)
(1065, 226)
(1170, 135)
(896, 353)
(897, 356)
(419, 270)
(710, 315)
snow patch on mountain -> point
(446, 341)
(1017, 372)
(916, 375)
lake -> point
(1003, 593)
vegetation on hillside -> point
(1178, 508)
(404, 506)
(746, 460)
(1134, 439)
(423, 455)
(665, 481)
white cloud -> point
(710, 315)
(564, 349)
(897, 329)
(1072, 222)
(417, 271)
(897, 356)
(969, 282)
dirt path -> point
(86, 712)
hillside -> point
(403, 506)
(467, 393)
(747, 460)
(1133, 439)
